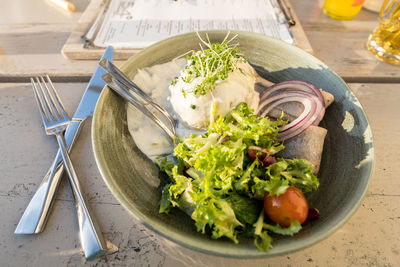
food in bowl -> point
(222, 177)
(213, 81)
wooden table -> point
(30, 44)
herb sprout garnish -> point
(211, 64)
(173, 82)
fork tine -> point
(48, 98)
(37, 90)
(47, 101)
(55, 99)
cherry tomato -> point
(287, 207)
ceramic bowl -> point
(346, 165)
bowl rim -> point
(187, 241)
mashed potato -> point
(196, 111)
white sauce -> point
(148, 136)
(156, 80)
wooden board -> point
(74, 46)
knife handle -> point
(35, 216)
(92, 240)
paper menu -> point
(139, 23)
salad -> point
(229, 181)
(234, 180)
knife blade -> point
(34, 218)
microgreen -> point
(211, 64)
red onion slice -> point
(296, 85)
(294, 91)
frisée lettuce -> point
(221, 188)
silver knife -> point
(35, 216)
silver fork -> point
(55, 121)
(132, 93)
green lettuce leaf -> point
(298, 173)
(294, 228)
(246, 209)
(263, 241)
(219, 216)
(165, 202)
(274, 186)
(242, 123)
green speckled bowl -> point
(346, 166)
